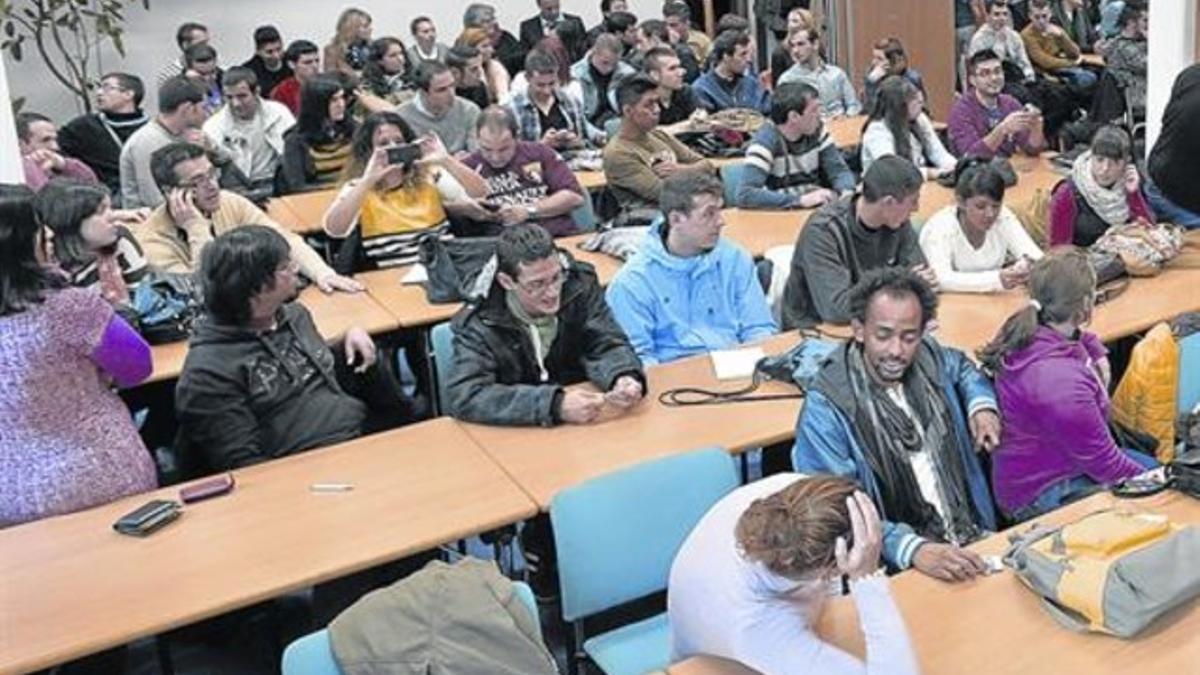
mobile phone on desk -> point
(149, 517)
(213, 487)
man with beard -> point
(903, 417)
(986, 122)
(259, 381)
(688, 290)
(249, 129)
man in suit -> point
(549, 17)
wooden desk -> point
(759, 231)
(334, 314)
(1033, 173)
(301, 213)
(846, 132)
(996, 626)
(968, 321)
(544, 461)
(410, 308)
(71, 586)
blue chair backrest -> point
(584, 215)
(441, 339)
(617, 534)
(313, 653)
(731, 179)
(1189, 372)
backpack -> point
(1111, 571)
(165, 306)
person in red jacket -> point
(1104, 190)
(304, 59)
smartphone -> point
(147, 518)
(403, 155)
(214, 487)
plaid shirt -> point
(530, 124)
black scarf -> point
(890, 435)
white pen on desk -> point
(331, 487)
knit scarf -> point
(890, 436)
(1110, 204)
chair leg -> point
(165, 665)
(576, 657)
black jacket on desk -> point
(531, 33)
(245, 397)
(495, 378)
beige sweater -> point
(170, 249)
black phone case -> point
(148, 518)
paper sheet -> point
(733, 364)
(416, 275)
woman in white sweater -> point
(977, 245)
(898, 125)
(751, 580)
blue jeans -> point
(1080, 77)
(1167, 210)
(1070, 490)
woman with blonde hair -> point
(495, 75)
(751, 580)
(347, 51)
(1052, 386)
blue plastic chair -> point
(731, 179)
(617, 536)
(313, 653)
(1189, 372)
(584, 215)
(441, 341)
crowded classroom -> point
(704, 337)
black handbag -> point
(458, 270)
(1183, 473)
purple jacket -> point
(969, 122)
(1055, 412)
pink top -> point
(67, 441)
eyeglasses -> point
(209, 177)
(543, 286)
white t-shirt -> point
(961, 267)
(718, 603)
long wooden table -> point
(70, 586)
(996, 626)
(544, 461)
(334, 314)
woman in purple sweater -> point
(1051, 384)
(68, 442)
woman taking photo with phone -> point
(398, 187)
(317, 149)
(69, 442)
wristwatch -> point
(531, 212)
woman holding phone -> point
(397, 187)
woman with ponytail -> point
(1052, 386)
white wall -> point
(10, 161)
(1172, 48)
(150, 41)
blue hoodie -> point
(672, 307)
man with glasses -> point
(985, 122)
(196, 211)
(543, 325)
(688, 290)
(96, 138)
(527, 182)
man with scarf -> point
(903, 416)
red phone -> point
(214, 487)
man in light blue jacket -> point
(688, 290)
(903, 416)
